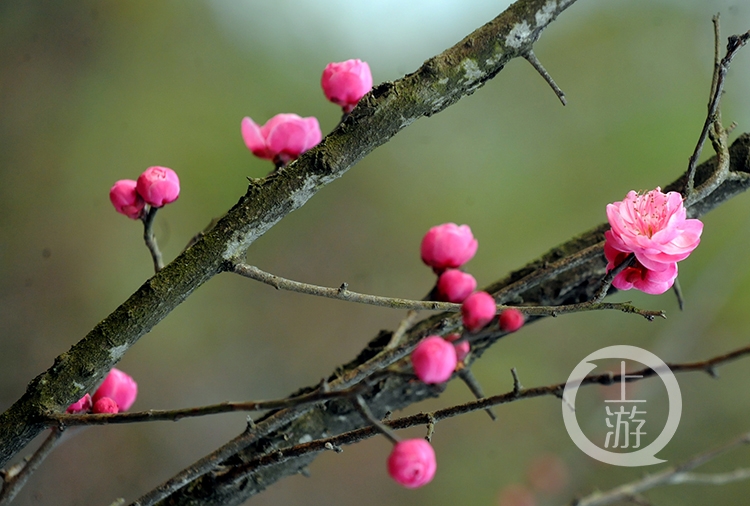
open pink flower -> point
(478, 310)
(448, 246)
(119, 387)
(283, 138)
(125, 199)
(637, 276)
(454, 286)
(654, 227)
(158, 186)
(345, 83)
(434, 360)
(412, 463)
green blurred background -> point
(93, 92)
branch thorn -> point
(531, 58)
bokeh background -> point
(93, 92)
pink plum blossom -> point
(119, 387)
(283, 138)
(637, 276)
(345, 83)
(448, 246)
(83, 405)
(478, 310)
(462, 347)
(105, 405)
(454, 286)
(158, 186)
(511, 320)
(412, 463)
(125, 198)
(434, 360)
(653, 226)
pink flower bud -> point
(462, 349)
(434, 360)
(125, 199)
(105, 405)
(283, 138)
(158, 186)
(82, 406)
(346, 83)
(454, 286)
(119, 387)
(478, 310)
(412, 463)
(448, 246)
(511, 320)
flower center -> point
(650, 212)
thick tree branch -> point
(390, 107)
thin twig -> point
(677, 289)
(343, 293)
(224, 407)
(531, 58)
(150, 239)
(517, 387)
(671, 476)
(471, 381)
(713, 120)
(711, 479)
(364, 410)
(607, 281)
(431, 423)
(15, 478)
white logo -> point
(621, 422)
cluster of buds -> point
(115, 395)
(286, 136)
(446, 248)
(156, 187)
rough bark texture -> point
(391, 106)
(234, 482)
